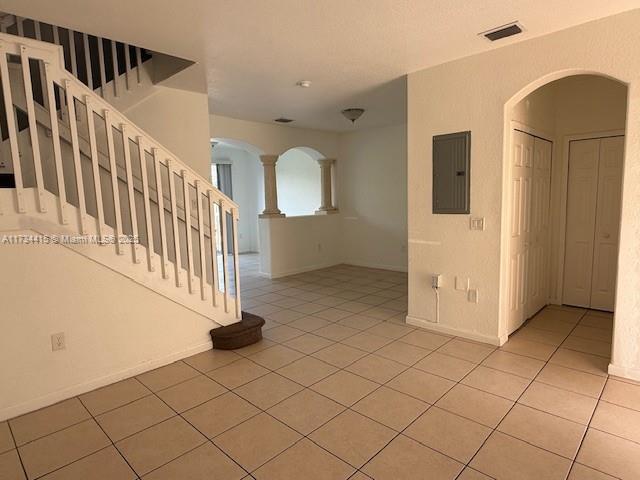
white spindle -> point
(147, 205)
(33, 128)
(3, 25)
(77, 165)
(131, 193)
(127, 61)
(225, 253)
(72, 50)
(95, 165)
(56, 35)
(20, 26)
(114, 180)
(174, 222)
(87, 60)
(139, 64)
(214, 247)
(101, 60)
(11, 127)
(187, 223)
(203, 266)
(236, 265)
(163, 227)
(57, 152)
(114, 62)
(45, 100)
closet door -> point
(607, 223)
(582, 193)
(521, 179)
(538, 271)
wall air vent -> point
(503, 32)
(283, 120)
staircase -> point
(108, 67)
(73, 165)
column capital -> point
(326, 162)
(269, 159)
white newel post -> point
(326, 179)
(270, 189)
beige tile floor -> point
(341, 388)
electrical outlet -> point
(319, 247)
(472, 295)
(436, 280)
(58, 342)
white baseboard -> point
(299, 270)
(624, 372)
(439, 328)
(72, 391)
(378, 266)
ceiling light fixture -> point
(303, 83)
(353, 114)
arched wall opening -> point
(237, 171)
(298, 181)
(562, 193)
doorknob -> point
(606, 235)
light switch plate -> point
(477, 223)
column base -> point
(326, 211)
(271, 215)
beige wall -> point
(114, 327)
(372, 195)
(293, 245)
(274, 139)
(178, 117)
(472, 94)
(371, 188)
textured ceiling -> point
(356, 52)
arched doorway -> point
(236, 171)
(562, 191)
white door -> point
(607, 225)
(582, 195)
(538, 271)
(521, 179)
(593, 219)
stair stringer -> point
(48, 223)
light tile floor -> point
(341, 388)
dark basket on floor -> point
(246, 332)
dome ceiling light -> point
(353, 114)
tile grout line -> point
(516, 402)
(15, 444)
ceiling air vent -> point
(283, 120)
(503, 32)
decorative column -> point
(270, 188)
(326, 179)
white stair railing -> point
(177, 214)
(84, 54)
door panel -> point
(582, 193)
(521, 180)
(607, 224)
(538, 272)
